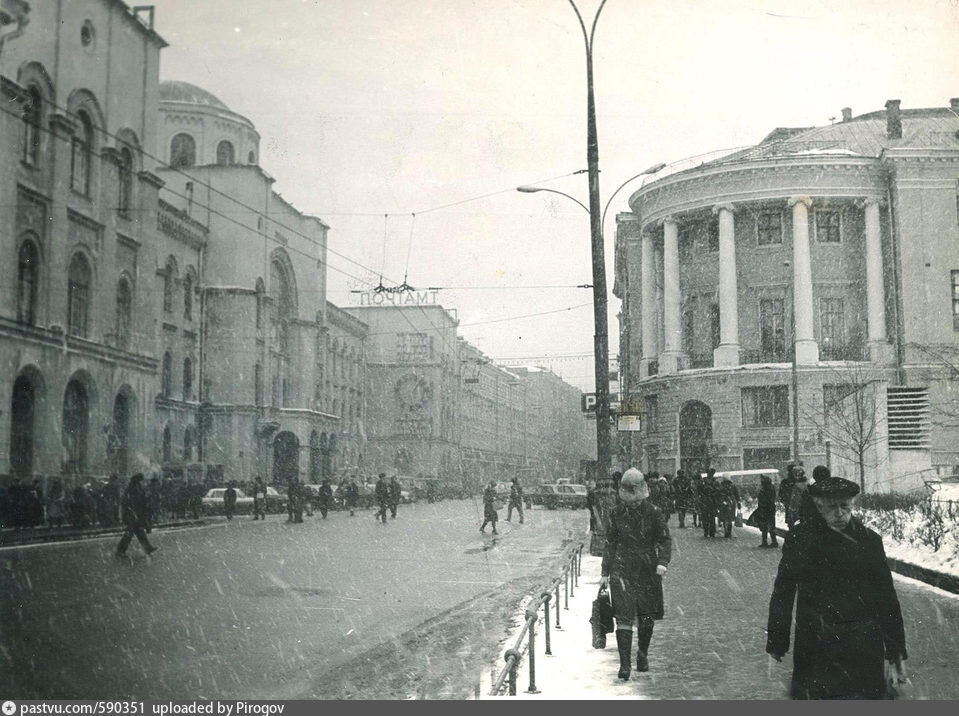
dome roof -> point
(190, 94)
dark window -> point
(78, 296)
(772, 332)
(258, 384)
(169, 278)
(769, 228)
(32, 127)
(689, 322)
(81, 156)
(224, 153)
(827, 227)
(124, 313)
(251, 158)
(955, 300)
(76, 424)
(28, 277)
(831, 328)
(188, 297)
(166, 377)
(167, 445)
(766, 406)
(188, 441)
(651, 404)
(125, 189)
(23, 413)
(182, 151)
(187, 378)
(714, 325)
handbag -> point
(601, 620)
(753, 519)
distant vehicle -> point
(556, 495)
(212, 502)
(275, 501)
(503, 491)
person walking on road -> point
(515, 501)
(136, 516)
(849, 641)
(708, 503)
(727, 506)
(681, 497)
(794, 497)
(229, 500)
(325, 498)
(382, 494)
(490, 515)
(352, 496)
(259, 499)
(638, 551)
(395, 493)
(765, 516)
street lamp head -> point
(655, 168)
(528, 189)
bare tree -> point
(847, 415)
(947, 357)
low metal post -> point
(558, 627)
(545, 596)
(531, 616)
(566, 590)
(579, 563)
(513, 669)
(572, 576)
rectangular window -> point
(769, 228)
(766, 406)
(955, 300)
(686, 241)
(715, 332)
(711, 238)
(651, 403)
(832, 339)
(772, 329)
(827, 227)
(689, 317)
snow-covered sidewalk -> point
(575, 670)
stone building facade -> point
(832, 249)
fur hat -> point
(833, 487)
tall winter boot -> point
(624, 640)
(645, 635)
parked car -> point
(553, 496)
(212, 502)
(275, 501)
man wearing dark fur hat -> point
(849, 631)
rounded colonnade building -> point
(804, 287)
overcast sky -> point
(402, 107)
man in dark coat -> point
(766, 511)
(490, 516)
(681, 497)
(638, 550)
(352, 496)
(136, 515)
(849, 629)
(229, 501)
(708, 503)
(382, 494)
(259, 499)
(325, 498)
(515, 501)
(807, 508)
(727, 504)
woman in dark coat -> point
(849, 630)
(638, 550)
(490, 516)
(136, 515)
(766, 511)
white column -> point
(879, 348)
(672, 331)
(727, 354)
(807, 350)
(648, 303)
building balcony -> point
(768, 355)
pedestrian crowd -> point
(849, 640)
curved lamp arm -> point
(534, 189)
(651, 170)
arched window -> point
(166, 377)
(251, 158)
(182, 151)
(187, 378)
(23, 413)
(76, 425)
(78, 296)
(81, 157)
(28, 278)
(224, 153)
(188, 296)
(124, 312)
(125, 196)
(258, 384)
(167, 445)
(169, 285)
(189, 440)
(32, 127)
(260, 292)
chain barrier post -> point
(558, 627)
(545, 598)
(531, 617)
(572, 575)
(566, 590)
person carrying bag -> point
(602, 618)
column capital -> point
(670, 220)
(871, 200)
(793, 200)
(728, 206)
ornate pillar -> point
(807, 350)
(727, 354)
(672, 330)
(648, 304)
(879, 348)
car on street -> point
(554, 496)
(275, 501)
(212, 502)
